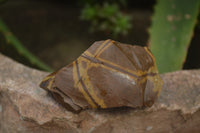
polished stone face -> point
(108, 74)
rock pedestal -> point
(26, 108)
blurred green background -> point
(49, 34)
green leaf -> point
(107, 18)
(89, 12)
(171, 32)
(109, 10)
(11, 45)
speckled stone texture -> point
(26, 108)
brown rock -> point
(26, 108)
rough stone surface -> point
(26, 108)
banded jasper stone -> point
(108, 74)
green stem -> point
(12, 40)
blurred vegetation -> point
(11, 46)
(171, 32)
(106, 17)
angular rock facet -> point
(108, 74)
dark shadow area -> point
(193, 56)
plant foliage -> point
(107, 18)
(11, 46)
(171, 32)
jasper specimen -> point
(108, 74)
